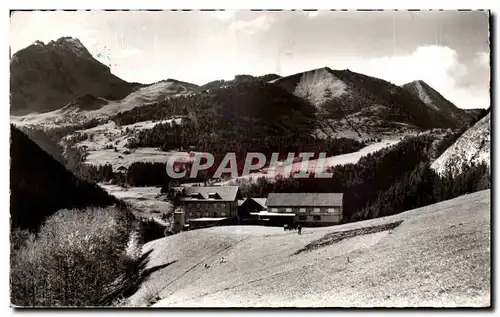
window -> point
(190, 214)
(316, 218)
(302, 218)
(198, 205)
(323, 210)
(302, 210)
(214, 196)
(223, 205)
(334, 210)
(197, 215)
(223, 214)
(316, 210)
(215, 214)
(274, 209)
(205, 215)
(288, 209)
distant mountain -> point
(245, 117)
(474, 112)
(477, 114)
(367, 105)
(473, 146)
(255, 105)
(46, 77)
(238, 79)
(437, 102)
(39, 185)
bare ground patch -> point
(335, 237)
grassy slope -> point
(439, 256)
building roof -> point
(226, 193)
(304, 199)
(208, 219)
(272, 214)
(260, 201)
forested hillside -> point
(238, 79)
(249, 116)
(39, 185)
(383, 183)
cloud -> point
(311, 14)
(438, 66)
(261, 23)
(224, 15)
(483, 59)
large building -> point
(210, 203)
(310, 209)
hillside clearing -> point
(439, 256)
(331, 161)
(143, 154)
(142, 199)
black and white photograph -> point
(250, 158)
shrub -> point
(73, 260)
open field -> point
(143, 199)
(111, 134)
(439, 255)
(143, 154)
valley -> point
(353, 114)
(403, 219)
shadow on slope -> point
(135, 273)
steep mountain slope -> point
(471, 147)
(39, 185)
(437, 102)
(45, 142)
(369, 106)
(47, 77)
(438, 256)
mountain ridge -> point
(45, 77)
(368, 105)
(434, 100)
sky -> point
(449, 50)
